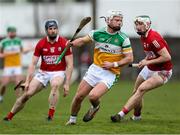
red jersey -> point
(153, 43)
(50, 52)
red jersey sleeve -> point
(37, 51)
(158, 42)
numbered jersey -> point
(12, 46)
(110, 47)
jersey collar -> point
(111, 33)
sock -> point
(73, 119)
(10, 115)
(137, 113)
(123, 112)
(51, 112)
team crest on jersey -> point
(116, 40)
(52, 49)
(59, 49)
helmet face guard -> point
(51, 23)
(110, 15)
(145, 20)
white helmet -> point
(144, 19)
(112, 13)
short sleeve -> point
(91, 35)
(37, 51)
(126, 46)
(158, 45)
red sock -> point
(10, 115)
(137, 113)
(125, 110)
(51, 112)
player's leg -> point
(18, 91)
(136, 98)
(34, 87)
(5, 81)
(83, 90)
(55, 83)
(94, 96)
(138, 107)
(17, 72)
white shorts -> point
(44, 77)
(96, 74)
(147, 73)
(10, 71)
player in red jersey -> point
(157, 67)
(47, 49)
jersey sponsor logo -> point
(108, 48)
(50, 59)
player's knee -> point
(93, 97)
(55, 87)
(141, 90)
(79, 98)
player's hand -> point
(143, 63)
(66, 89)
(26, 86)
(69, 43)
(107, 65)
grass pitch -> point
(161, 113)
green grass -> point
(161, 113)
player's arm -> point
(81, 41)
(128, 58)
(27, 49)
(31, 70)
(163, 57)
(68, 72)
